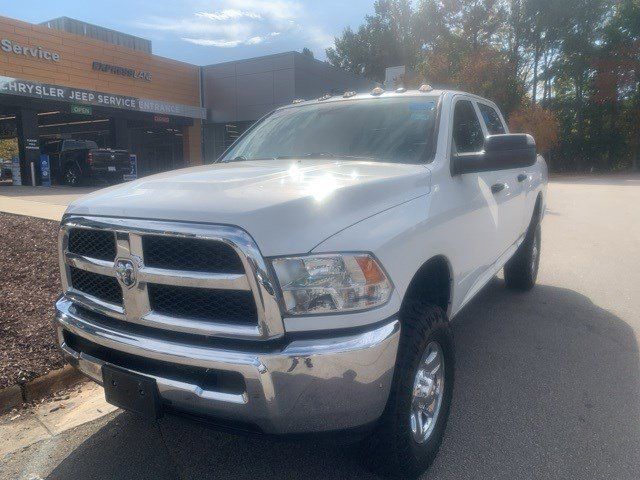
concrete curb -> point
(16, 395)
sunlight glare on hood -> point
(295, 173)
(321, 187)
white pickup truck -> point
(306, 281)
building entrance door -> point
(157, 149)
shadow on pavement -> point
(547, 387)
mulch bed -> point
(30, 284)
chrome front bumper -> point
(308, 385)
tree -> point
(484, 71)
(307, 52)
(579, 60)
(387, 38)
(8, 148)
(467, 50)
(539, 122)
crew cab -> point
(76, 162)
(306, 281)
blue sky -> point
(204, 32)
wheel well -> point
(432, 282)
(537, 210)
(70, 163)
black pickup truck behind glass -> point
(77, 162)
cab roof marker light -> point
(349, 94)
(401, 90)
(297, 100)
(326, 96)
(425, 88)
(377, 91)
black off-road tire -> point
(398, 454)
(521, 271)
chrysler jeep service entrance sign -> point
(24, 88)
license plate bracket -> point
(131, 391)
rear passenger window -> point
(491, 119)
(467, 132)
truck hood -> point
(287, 206)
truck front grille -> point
(189, 278)
(98, 244)
(229, 306)
(192, 254)
(99, 286)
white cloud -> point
(254, 40)
(240, 22)
(274, 9)
(317, 36)
(222, 43)
(228, 14)
(258, 39)
(205, 42)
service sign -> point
(9, 46)
(24, 88)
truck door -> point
(475, 225)
(509, 184)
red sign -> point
(161, 119)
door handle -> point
(522, 177)
(498, 187)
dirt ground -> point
(30, 283)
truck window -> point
(379, 129)
(78, 144)
(51, 148)
(491, 119)
(467, 132)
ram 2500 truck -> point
(306, 281)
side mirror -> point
(501, 152)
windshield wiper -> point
(323, 155)
(306, 155)
(239, 158)
(242, 158)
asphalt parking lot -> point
(548, 382)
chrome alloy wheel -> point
(71, 178)
(428, 391)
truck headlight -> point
(331, 283)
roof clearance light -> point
(425, 88)
(326, 96)
(349, 94)
(401, 90)
(377, 91)
(298, 100)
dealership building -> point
(67, 79)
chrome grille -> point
(103, 287)
(191, 254)
(229, 306)
(191, 278)
(93, 243)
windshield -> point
(382, 129)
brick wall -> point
(172, 81)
